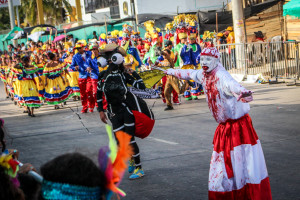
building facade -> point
(99, 10)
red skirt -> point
(237, 169)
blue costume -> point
(134, 52)
(85, 80)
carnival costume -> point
(195, 49)
(92, 82)
(84, 77)
(128, 44)
(74, 75)
(57, 89)
(237, 169)
(27, 93)
(113, 84)
(40, 80)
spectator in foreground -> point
(72, 176)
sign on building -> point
(4, 3)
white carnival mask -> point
(208, 63)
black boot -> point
(169, 108)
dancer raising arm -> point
(237, 168)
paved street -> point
(176, 156)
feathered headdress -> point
(169, 31)
(191, 22)
(180, 24)
(11, 166)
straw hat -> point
(112, 47)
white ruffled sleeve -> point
(187, 74)
(230, 86)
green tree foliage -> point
(53, 11)
(4, 19)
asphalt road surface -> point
(177, 154)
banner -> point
(151, 77)
(4, 3)
(12, 33)
(144, 94)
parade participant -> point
(128, 44)
(183, 50)
(78, 64)
(28, 93)
(180, 39)
(57, 89)
(103, 41)
(40, 62)
(170, 83)
(3, 70)
(112, 37)
(169, 32)
(74, 74)
(16, 83)
(140, 46)
(10, 78)
(91, 85)
(237, 169)
(195, 52)
(113, 84)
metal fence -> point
(272, 59)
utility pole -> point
(238, 20)
(39, 4)
(18, 18)
(11, 14)
(12, 18)
(238, 24)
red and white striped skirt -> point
(238, 169)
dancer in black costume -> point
(113, 84)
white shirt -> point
(221, 92)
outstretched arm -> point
(231, 86)
(186, 74)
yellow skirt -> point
(29, 95)
(56, 91)
(188, 67)
(73, 80)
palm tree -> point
(29, 9)
(53, 10)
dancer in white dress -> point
(237, 168)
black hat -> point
(259, 34)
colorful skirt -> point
(56, 91)
(17, 89)
(2, 77)
(40, 86)
(73, 81)
(29, 95)
(237, 168)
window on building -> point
(125, 8)
(92, 5)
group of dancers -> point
(33, 80)
(237, 167)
